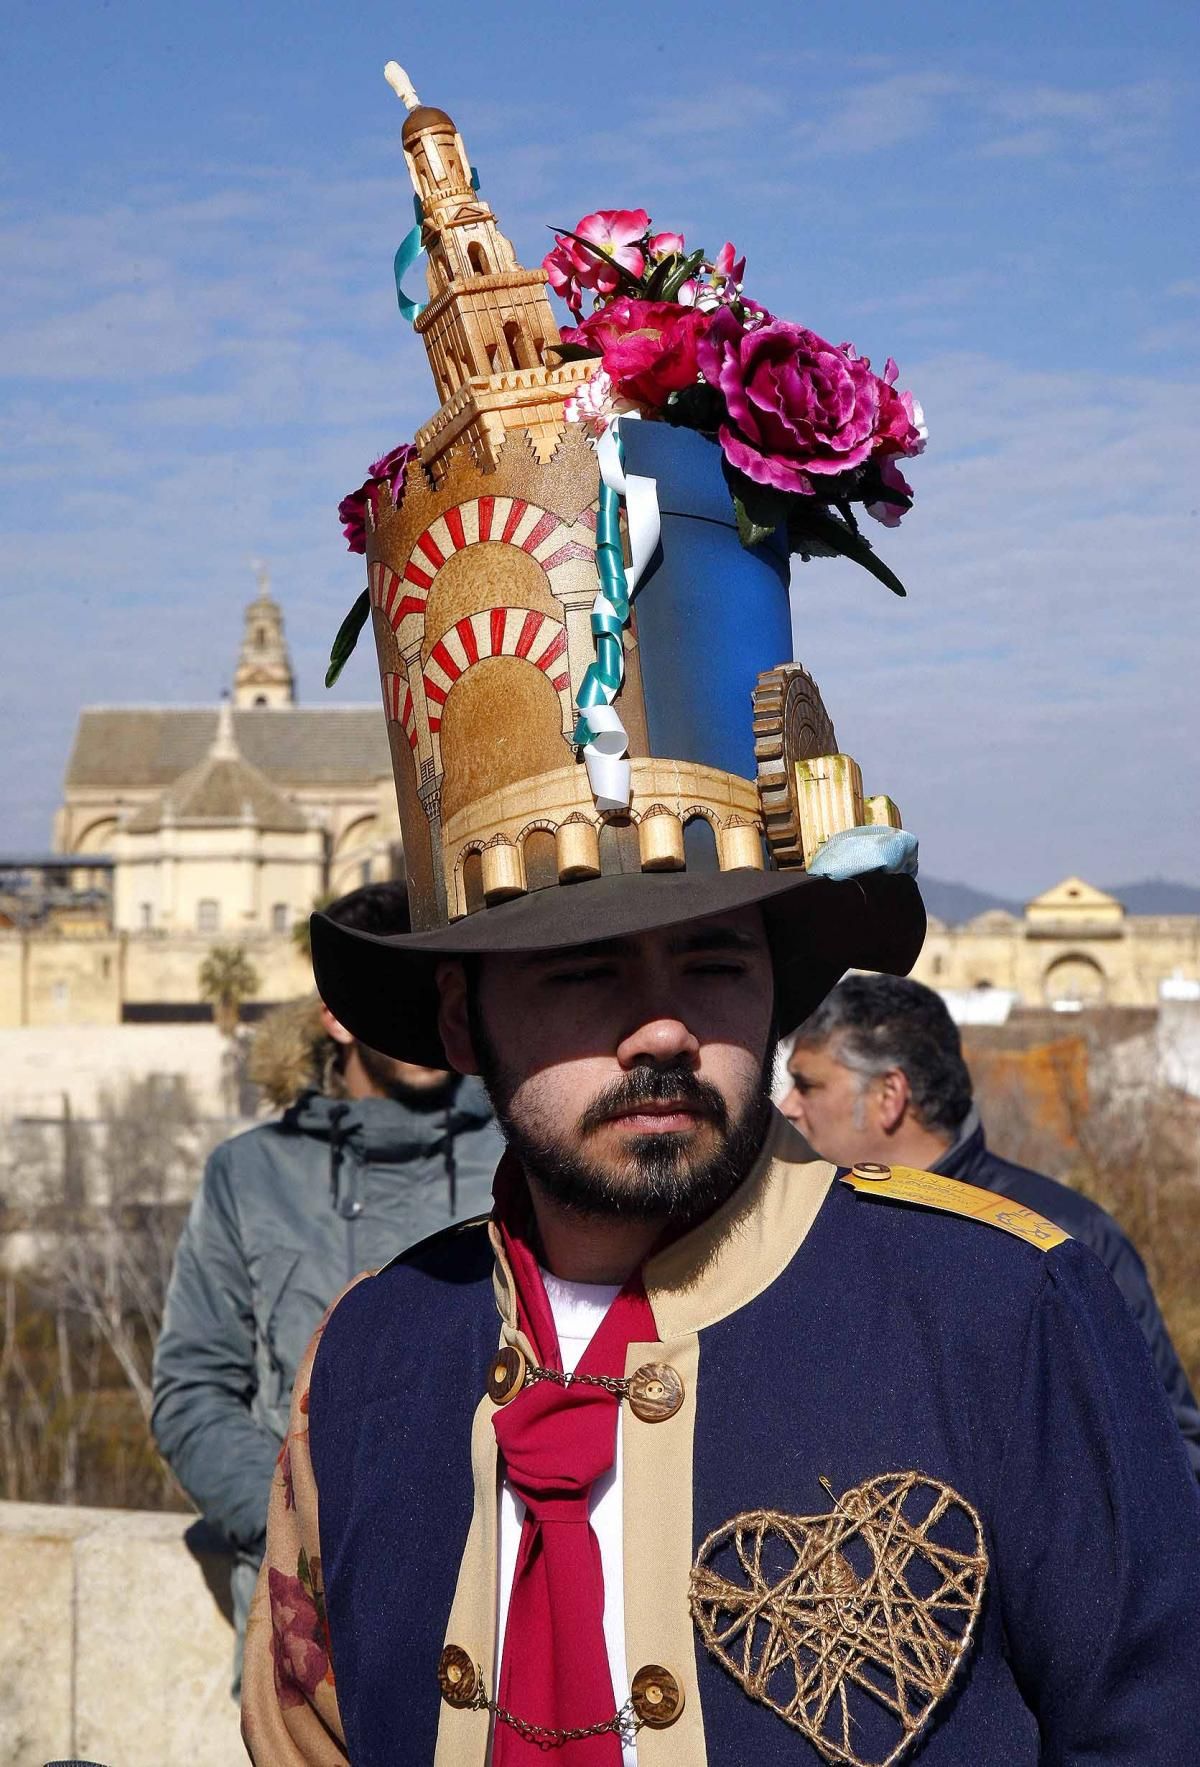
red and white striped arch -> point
(508, 521)
(398, 704)
(535, 637)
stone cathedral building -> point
(232, 818)
(185, 827)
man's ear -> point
(334, 1027)
(454, 1020)
(895, 1097)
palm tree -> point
(227, 978)
(300, 934)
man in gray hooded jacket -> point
(383, 1155)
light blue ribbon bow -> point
(855, 851)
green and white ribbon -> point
(407, 253)
(599, 732)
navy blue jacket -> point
(972, 1160)
(825, 1339)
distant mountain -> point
(1157, 896)
(956, 903)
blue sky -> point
(200, 351)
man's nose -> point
(661, 1040)
(792, 1105)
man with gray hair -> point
(877, 1076)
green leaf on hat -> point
(814, 531)
(574, 352)
(347, 637)
(759, 508)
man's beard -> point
(656, 1177)
(388, 1075)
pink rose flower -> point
(902, 428)
(608, 238)
(798, 406)
(649, 348)
(298, 1639)
(890, 514)
(352, 510)
(664, 244)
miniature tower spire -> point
(264, 670)
(488, 324)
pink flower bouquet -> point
(806, 427)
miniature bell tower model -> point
(487, 326)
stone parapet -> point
(115, 1645)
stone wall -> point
(114, 1639)
(1124, 966)
(39, 1064)
(59, 978)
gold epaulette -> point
(930, 1190)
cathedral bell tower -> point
(264, 670)
(488, 326)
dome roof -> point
(425, 116)
(220, 790)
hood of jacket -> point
(385, 1130)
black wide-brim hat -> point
(383, 987)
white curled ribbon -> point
(600, 734)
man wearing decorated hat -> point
(690, 1453)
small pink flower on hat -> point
(886, 510)
(604, 251)
(595, 403)
(618, 236)
(385, 474)
(728, 265)
(389, 470)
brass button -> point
(868, 1169)
(656, 1696)
(506, 1376)
(458, 1677)
(655, 1392)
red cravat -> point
(556, 1442)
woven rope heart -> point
(848, 1625)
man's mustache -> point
(654, 1085)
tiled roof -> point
(139, 747)
(222, 790)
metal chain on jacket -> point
(617, 1384)
(624, 1724)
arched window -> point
(260, 699)
(208, 916)
(518, 345)
(279, 918)
(477, 258)
(541, 860)
(699, 844)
